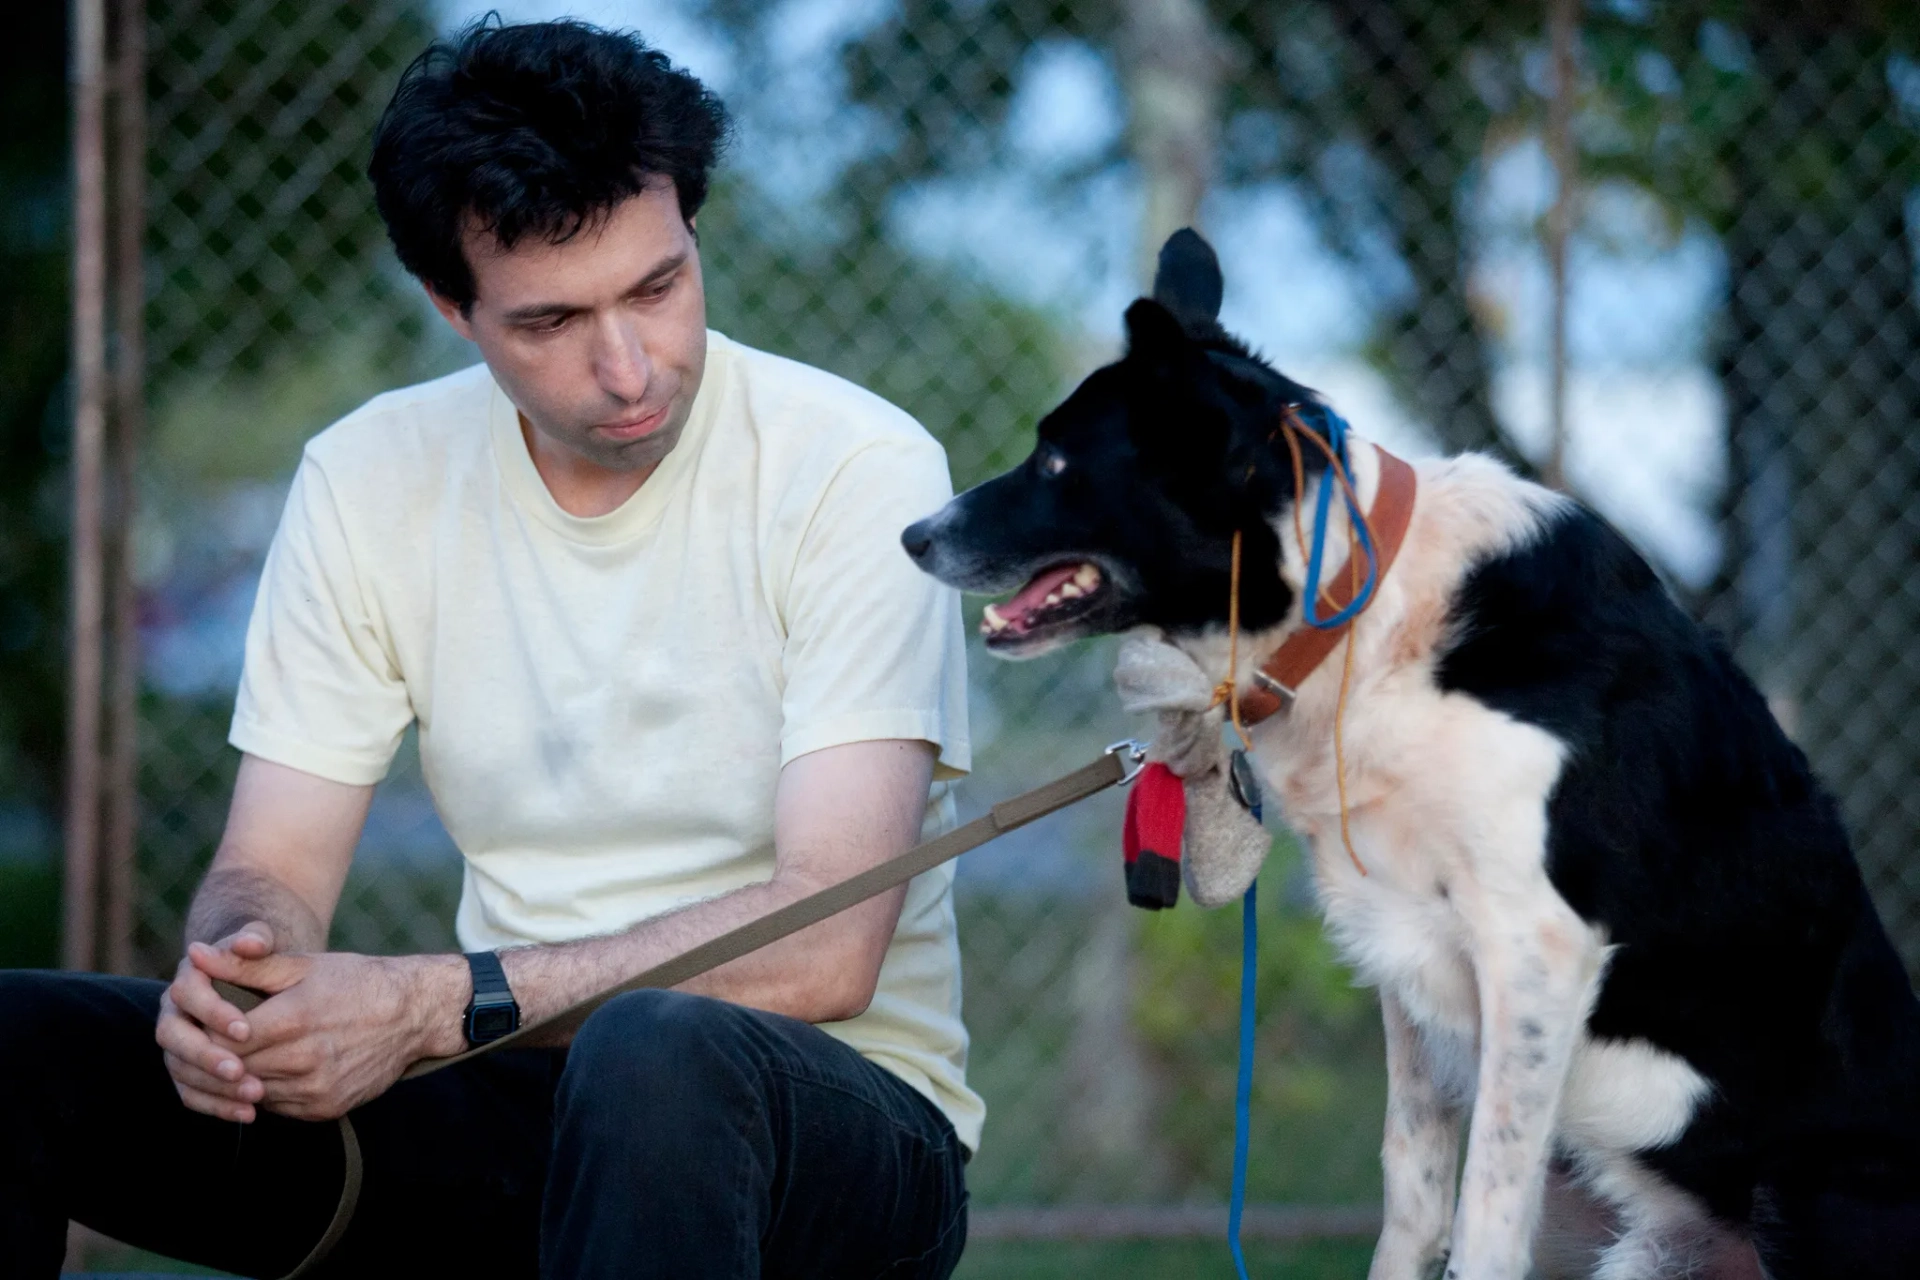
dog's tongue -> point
(1035, 593)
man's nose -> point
(918, 539)
(621, 363)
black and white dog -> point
(1610, 913)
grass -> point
(1010, 1260)
(29, 915)
(1023, 1260)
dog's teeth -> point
(1087, 577)
(992, 621)
(1053, 597)
(1071, 591)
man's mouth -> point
(1053, 598)
(634, 428)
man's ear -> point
(451, 312)
(1188, 280)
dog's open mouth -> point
(1052, 599)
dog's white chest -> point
(1409, 943)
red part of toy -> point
(1156, 823)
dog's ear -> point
(1188, 281)
(1154, 335)
(1171, 373)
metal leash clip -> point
(1136, 754)
(1244, 782)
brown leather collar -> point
(1273, 685)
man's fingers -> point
(192, 994)
(219, 1108)
(284, 1053)
(270, 973)
(185, 1074)
(188, 1042)
(252, 940)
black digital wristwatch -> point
(492, 1012)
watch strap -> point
(489, 976)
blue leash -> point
(1336, 428)
(1243, 1086)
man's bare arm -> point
(836, 812)
(283, 857)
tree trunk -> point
(1821, 373)
(1174, 61)
(1424, 127)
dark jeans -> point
(680, 1136)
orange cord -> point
(1227, 690)
(1291, 425)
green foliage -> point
(1692, 98)
(29, 915)
(212, 429)
(966, 362)
(1023, 1260)
(1155, 1260)
(264, 233)
(1319, 1075)
(34, 318)
(186, 778)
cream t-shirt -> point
(605, 703)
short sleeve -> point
(320, 691)
(874, 647)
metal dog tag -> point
(1244, 783)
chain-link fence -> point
(948, 202)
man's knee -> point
(59, 1029)
(41, 1007)
(676, 1051)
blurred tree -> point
(262, 123)
(274, 302)
(1409, 102)
(1821, 368)
(1314, 80)
(34, 284)
(1175, 61)
(1777, 124)
(1384, 112)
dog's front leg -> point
(1536, 964)
(1419, 1157)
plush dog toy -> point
(1220, 844)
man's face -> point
(600, 341)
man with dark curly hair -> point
(640, 589)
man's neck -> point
(579, 487)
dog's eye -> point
(1052, 462)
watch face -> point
(490, 1022)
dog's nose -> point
(918, 539)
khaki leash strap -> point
(1006, 816)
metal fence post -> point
(122, 784)
(89, 430)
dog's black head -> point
(1125, 511)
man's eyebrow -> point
(540, 311)
(557, 310)
(666, 267)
